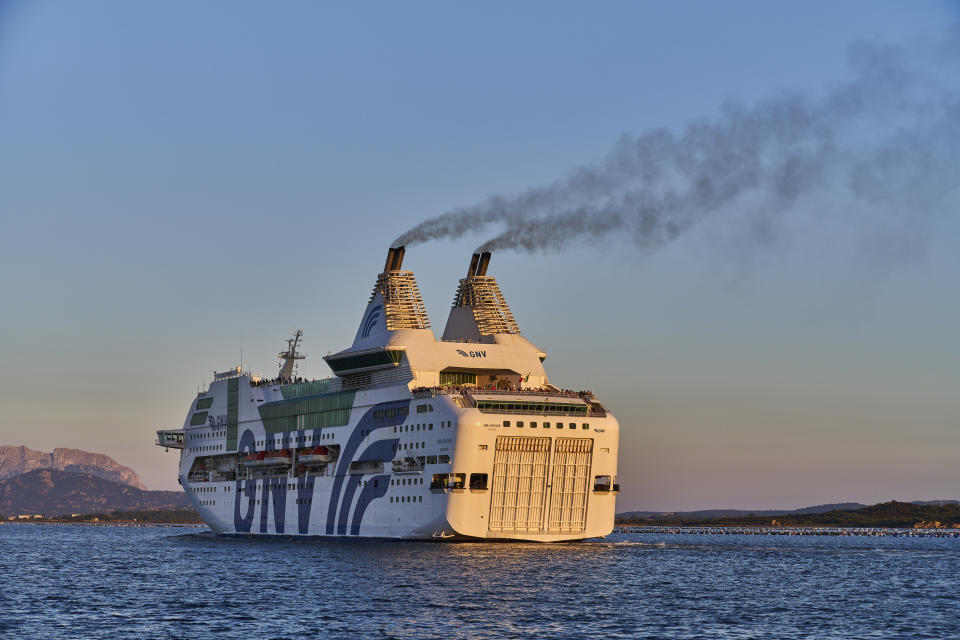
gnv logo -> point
(370, 321)
(472, 354)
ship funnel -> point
(479, 310)
(484, 263)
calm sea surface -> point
(112, 582)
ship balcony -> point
(603, 484)
(170, 438)
(409, 465)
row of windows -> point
(209, 447)
(457, 378)
(406, 499)
(405, 446)
(208, 434)
(208, 503)
(331, 410)
(405, 482)
(413, 427)
(546, 425)
(380, 414)
(424, 408)
(203, 489)
(489, 406)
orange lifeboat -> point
(277, 458)
(316, 455)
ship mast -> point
(290, 356)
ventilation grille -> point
(482, 294)
(401, 299)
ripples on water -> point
(108, 582)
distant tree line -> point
(177, 516)
(886, 514)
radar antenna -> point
(290, 356)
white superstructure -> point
(458, 438)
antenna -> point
(290, 356)
(241, 348)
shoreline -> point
(789, 531)
(119, 523)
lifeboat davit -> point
(316, 455)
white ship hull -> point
(460, 438)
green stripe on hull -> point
(233, 411)
(317, 412)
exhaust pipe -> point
(484, 263)
(394, 258)
(473, 265)
(398, 258)
(391, 252)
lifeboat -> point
(255, 459)
(316, 455)
(277, 458)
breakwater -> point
(791, 531)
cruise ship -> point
(461, 438)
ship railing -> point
(446, 390)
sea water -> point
(152, 582)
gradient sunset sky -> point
(175, 173)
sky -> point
(178, 179)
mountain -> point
(51, 492)
(15, 461)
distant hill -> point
(50, 492)
(727, 513)
(15, 461)
(886, 514)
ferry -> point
(461, 438)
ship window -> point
(506, 423)
(198, 419)
(533, 424)
(431, 459)
(585, 426)
(402, 411)
(204, 403)
(546, 425)
(422, 408)
(430, 427)
(573, 425)
(478, 481)
(457, 378)
(457, 480)
(443, 459)
(483, 447)
(520, 423)
(601, 483)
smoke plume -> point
(889, 137)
